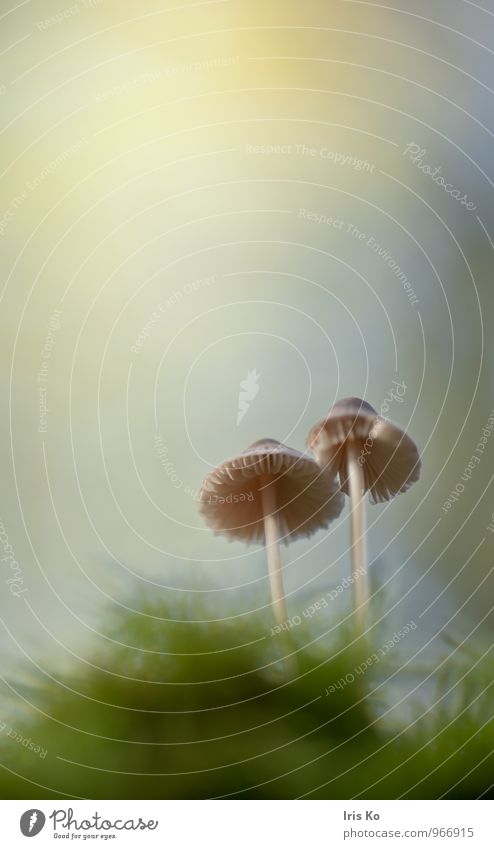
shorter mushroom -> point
(269, 493)
(369, 454)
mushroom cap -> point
(307, 497)
(388, 457)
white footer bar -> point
(249, 824)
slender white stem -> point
(272, 532)
(359, 548)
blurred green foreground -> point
(210, 709)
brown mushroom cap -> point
(389, 459)
(307, 497)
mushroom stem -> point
(359, 548)
(272, 532)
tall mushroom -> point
(369, 454)
(266, 494)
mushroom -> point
(269, 493)
(369, 454)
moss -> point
(169, 709)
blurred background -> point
(197, 192)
